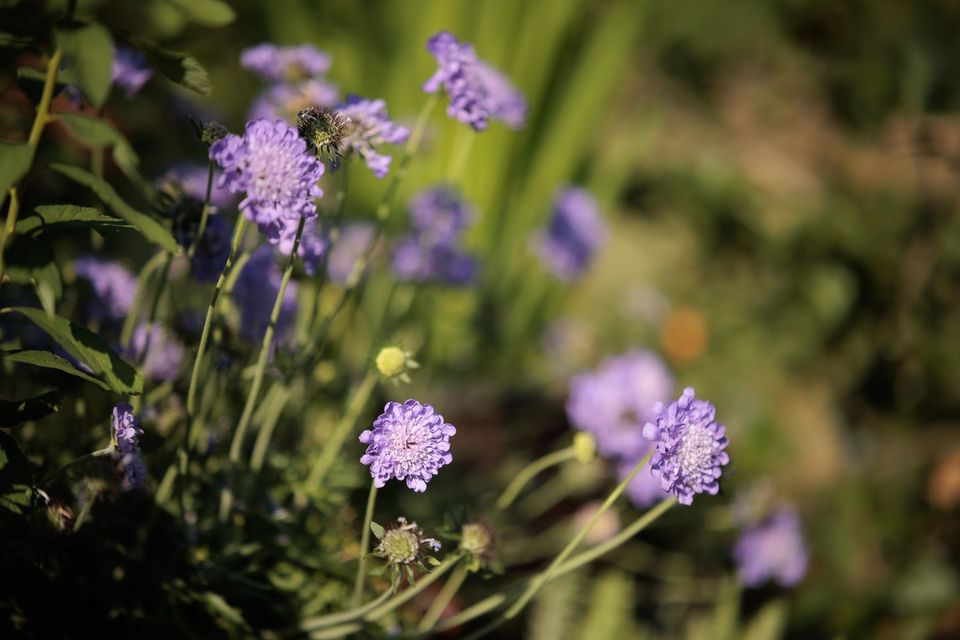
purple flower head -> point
(369, 126)
(130, 70)
(409, 441)
(773, 549)
(254, 293)
(691, 447)
(416, 261)
(113, 286)
(127, 433)
(284, 101)
(644, 490)
(351, 243)
(575, 232)
(192, 180)
(617, 399)
(211, 254)
(158, 351)
(476, 90)
(439, 215)
(277, 64)
(271, 166)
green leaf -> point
(769, 623)
(210, 13)
(31, 81)
(14, 412)
(88, 52)
(377, 529)
(15, 161)
(32, 262)
(50, 360)
(62, 217)
(16, 492)
(150, 228)
(87, 347)
(177, 67)
(98, 134)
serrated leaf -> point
(49, 360)
(61, 217)
(98, 134)
(88, 53)
(14, 412)
(32, 262)
(88, 348)
(150, 228)
(377, 530)
(14, 163)
(15, 478)
(177, 67)
(210, 13)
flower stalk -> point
(364, 546)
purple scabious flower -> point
(285, 101)
(192, 180)
(477, 91)
(158, 351)
(271, 166)
(127, 434)
(278, 64)
(614, 402)
(370, 125)
(254, 293)
(773, 549)
(690, 447)
(113, 286)
(575, 233)
(410, 442)
(352, 241)
(130, 70)
(644, 490)
(212, 252)
(440, 215)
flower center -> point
(696, 449)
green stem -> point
(130, 323)
(400, 170)
(364, 546)
(402, 598)
(462, 145)
(320, 622)
(99, 453)
(439, 605)
(530, 472)
(205, 214)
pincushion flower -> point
(614, 402)
(368, 125)
(158, 351)
(254, 293)
(271, 166)
(690, 447)
(130, 70)
(575, 233)
(126, 433)
(773, 549)
(477, 91)
(429, 253)
(277, 64)
(408, 442)
(440, 215)
(113, 286)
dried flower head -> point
(773, 549)
(323, 129)
(403, 544)
(213, 131)
(479, 540)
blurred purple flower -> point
(370, 126)
(285, 101)
(614, 401)
(690, 447)
(211, 254)
(277, 64)
(410, 442)
(575, 232)
(440, 215)
(271, 166)
(113, 286)
(351, 243)
(192, 180)
(254, 293)
(130, 70)
(476, 90)
(157, 350)
(314, 244)
(773, 549)
(127, 433)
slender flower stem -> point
(161, 285)
(399, 172)
(364, 546)
(205, 214)
(530, 472)
(130, 323)
(226, 496)
(99, 453)
(320, 622)
(404, 597)
(462, 144)
(439, 605)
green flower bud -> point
(393, 363)
(584, 447)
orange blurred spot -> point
(943, 489)
(683, 335)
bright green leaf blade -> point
(31, 262)
(210, 13)
(177, 67)
(62, 217)
(97, 134)
(14, 412)
(146, 225)
(50, 360)
(15, 477)
(377, 529)
(88, 53)
(87, 347)
(14, 164)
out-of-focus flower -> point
(276, 64)
(690, 447)
(617, 399)
(270, 164)
(158, 351)
(410, 442)
(644, 490)
(476, 90)
(211, 254)
(254, 293)
(440, 215)
(773, 549)
(684, 335)
(575, 233)
(943, 488)
(369, 125)
(113, 286)
(353, 240)
(429, 252)
(314, 244)
(130, 70)
(285, 101)
(393, 363)
(402, 545)
(127, 434)
(192, 180)
(605, 528)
